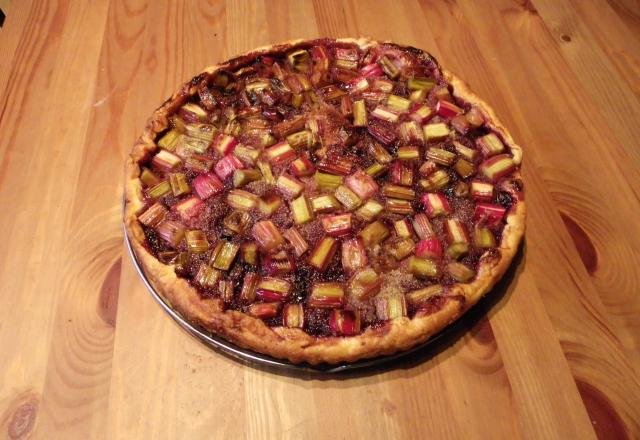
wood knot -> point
(565, 38)
(108, 298)
(583, 243)
(605, 420)
(23, 418)
(483, 333)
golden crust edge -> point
(293, 344)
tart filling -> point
(329, 188)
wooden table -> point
(86, 353)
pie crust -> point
(292, 343)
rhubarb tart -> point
(324, 200)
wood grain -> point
(86, 353)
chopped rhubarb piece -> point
(354, 255)
(289, 126)
(197, 242)
(224, 144)
(153, 215)
(389, 66)
(171, 231)
(402, 173)
(423, 267)
(411, 133)
(289, 186)
(440, 156)
(461, 189)
(207, 276)
(483, 238)
(169, 140)
(327, 182)
(490, 144)
(455, 251)
(429, 248)
(320, 57)
(227, 165)
(390, 307)
(442, 94)
(339, 165)
(269, 205)
(382, 85)
(371, 70)
(280, 154)
(359, 114)
(398, 103)
(345, 322)
(347, 64)
(364, 284)
(249, 286)
(401, 248)
(408, 153)
(223, 255)
(324, 204)
(447, 109)
(207, 185)
(198, 163)
(369, 211)
(427, 168)
(417, 83)
(398, 192)
(300, 210)
(436, 132)
(300, 139)
(468, 153)
(326, 295)
(160, 190)
(380, 153)
(267, 235)
(464, 169)
(257, 85)
(296, 240)
(241, 200)
(166, 161)
(332, 93)
(497, 167)
(236, 222)
(384, 113)
(264, 310)
(193, 113)
(242, 177)
(456, 231)
(376, 169)
(189, 208)
(348, 198)
(361, 184)
(435, 205)
(246, 155)
(422, 226)
(488, 214)
(267, 175)
(225, 290)
(475, 117)
(403, 228)
(398, 206)
(299, 60)
(481, 191)
(359, 85)
(436, 180)
(293, 316)
(301, 167)
(421, 113)
(278, 265)
(460, 272)
(337, 225)
(418, 95)
(249, 253)
(421, 296)
(271, 289)
(148, 178)
(179, 184)
(374, 233)
(323, 253)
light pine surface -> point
(85, 353)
